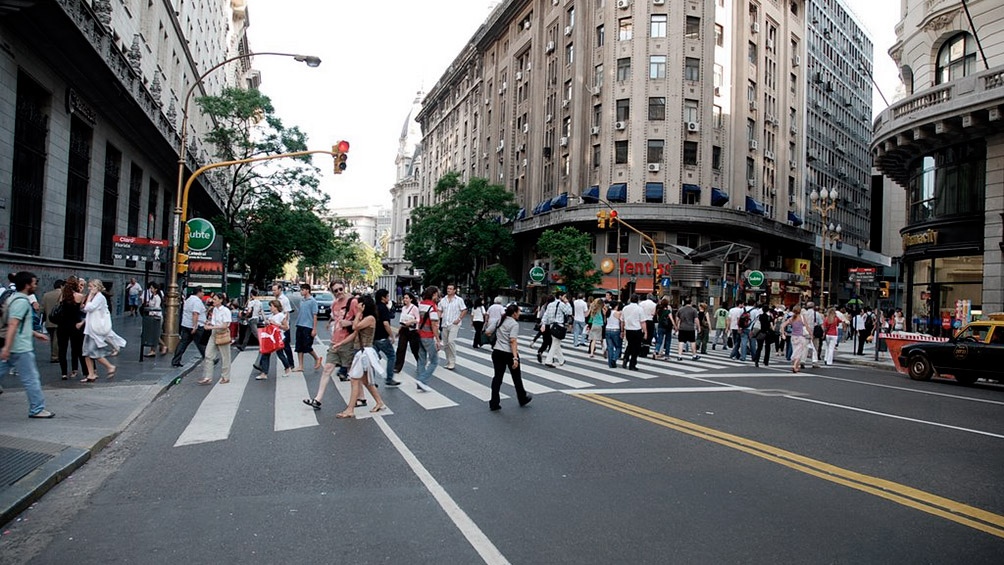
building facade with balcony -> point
(688, 117)
(91, 100)
(943, 144)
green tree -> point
(280, 230)
(568, 250)
(493, 279)
(462, 233)
(246, 127)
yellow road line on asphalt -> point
(901, 494)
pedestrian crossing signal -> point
(182, 263)
(884, 289)
(601, 219)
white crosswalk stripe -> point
(216, 414)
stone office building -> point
(944, 145)
(90, 113)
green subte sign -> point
(537, 274)
(201, 234)
(755, 278)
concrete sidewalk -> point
(37, 454)
(845, 355)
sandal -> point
(344, 415)
(224, 381)
(111, 374)
(360, 402)
(88, 379)
(313, 403)
(378, 407)
(204, 381)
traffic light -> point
(884, 289)
(601, 219)
(613, 218)
(340, 151)
(182, 263)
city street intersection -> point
(680, 462)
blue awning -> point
(617, 192)
(521, 215)
(795, 219)
(691, 189)
(719, 197)
(559, 201)
(754, 207)
(591, 195)
(545, 206)
(653, 192)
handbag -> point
(270, 339)
(557, 330)
(221, 336)
(101, 322)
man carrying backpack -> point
(741, 331)
(18, 350)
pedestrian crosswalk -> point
(469, 381)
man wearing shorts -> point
(342, 319)
(306, 328)
(686, 327)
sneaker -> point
(392, 383)
(43, 414)
(679, 358)
(695, 357)
(422, 388)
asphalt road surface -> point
(711, 461)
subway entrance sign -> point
(755, 278)
(537, 274)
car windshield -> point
(975, 332)
(324, 297)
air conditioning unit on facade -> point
(653, 167)
(519, 75)
(595, 130)
(596, 91)
(526, 128)
(564, 103)
(658, 2)
(752, 104)
(548, 118)
(623, 4)
(568, 30)
(620, 125)
(524, 162)
(794, 129)
(550, 47)
(792, 164)
(770, 44)
(769, 154)
(791, 199)
(753, 145)
(755, 28)
(751, 182)
(796, 60)
(693, 126)
(563, 142)
(526, 24)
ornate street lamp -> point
(825, 202)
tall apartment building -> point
(688, 117)
(944, 145)
(92, 102)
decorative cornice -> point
(103, 11)
(939, 22)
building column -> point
(993, 231)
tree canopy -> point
(456, 238)
(568, 250)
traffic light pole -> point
(171, 313)
(655, 252)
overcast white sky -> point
(377, 55)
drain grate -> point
(18, 463)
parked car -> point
(976, 352)
(324, 302)
(527, 311)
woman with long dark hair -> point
(366, 358)
(69, 336)
(407, 334)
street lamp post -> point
(173, 298)
(824, 202)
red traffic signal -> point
(613, 214)
(340, 152)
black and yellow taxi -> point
(976, 352)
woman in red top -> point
(831, 323)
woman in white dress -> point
(219, 325)
(99, 339)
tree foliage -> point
(457, 237)
(568, 250)
(279, 230)
(493, 279)
(246, 127)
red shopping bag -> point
(270, 339)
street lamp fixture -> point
(825, 202)
(173, 298)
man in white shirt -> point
(733, 328)
(452, 310)
(193, 318)
(812, 319)
(579, 308)
(496, 312)
(648, 310)
(556, 312)
(635, 330)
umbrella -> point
(855, 302)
